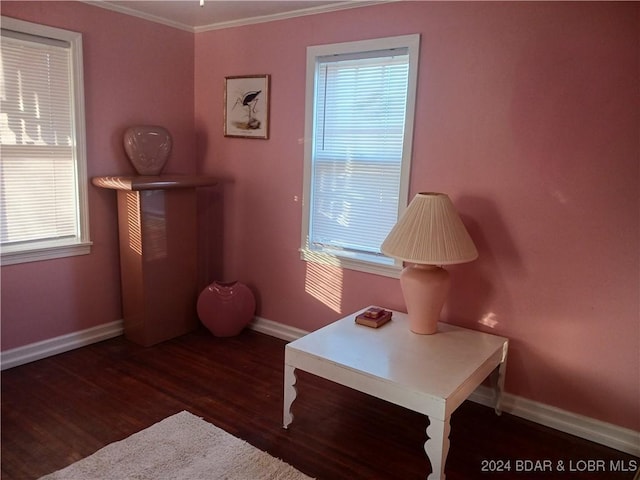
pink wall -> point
(527, 116)
(135, 72)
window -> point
(359, 128)
(43, 204)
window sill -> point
(351, 263)
(13, 256)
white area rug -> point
(180, 447)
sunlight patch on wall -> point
(324, 283)
(489, 319)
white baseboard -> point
(597, 431)
(64, 343)
(275, 329)
(53, 346)
(607, 434)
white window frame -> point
(382, 265)
(81, 244)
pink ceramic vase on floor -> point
(225, 308)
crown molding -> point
(333, 7)
(135, 13)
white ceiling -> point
(214, 14)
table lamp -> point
(429, 234)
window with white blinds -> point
(42, 164)
(357, 163)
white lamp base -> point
(425, 289)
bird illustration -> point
(250, 97)
(249, 100)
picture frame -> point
(246, 106)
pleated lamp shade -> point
(430, 232)
(428, 235)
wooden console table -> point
(429, 374)
(157, 223)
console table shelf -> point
(159, 182)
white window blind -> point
(39, 197)
(358, 151)
(360, 103)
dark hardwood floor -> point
(58, 410)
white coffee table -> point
(429, 374)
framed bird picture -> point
(246, 106)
